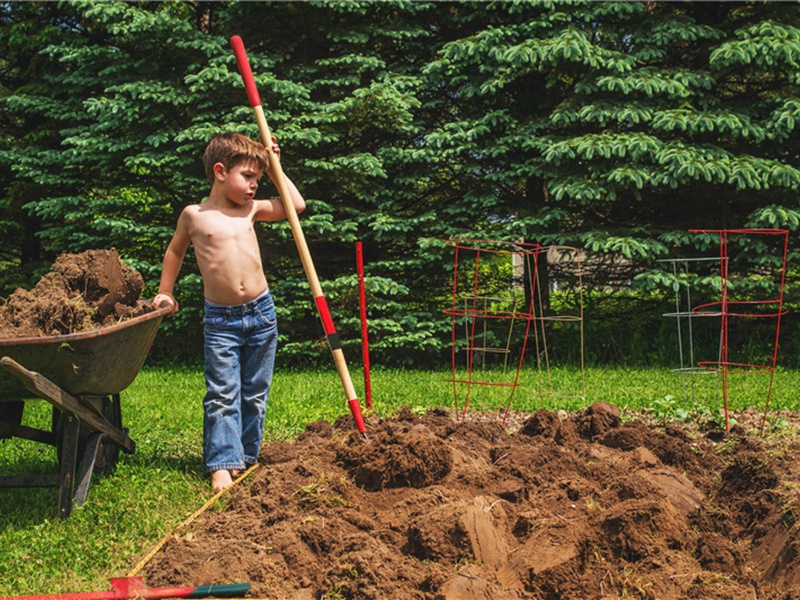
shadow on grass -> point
(22, 507)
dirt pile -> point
(572, 506)
(82, 292)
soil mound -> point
(588, 505)
(82, 292)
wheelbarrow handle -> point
(42, 387)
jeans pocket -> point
(267, 316)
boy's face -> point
(240, 182)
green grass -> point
(162, 483)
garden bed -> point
(570, 506)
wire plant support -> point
(731, 310)
(493, 301)
(684, 316)
(571, 258)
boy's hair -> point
(230, 149)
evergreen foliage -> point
(613, 127)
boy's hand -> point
(163, 299)
(276, 149)
(271, 171)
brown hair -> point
(230, 149)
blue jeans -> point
(240, 345)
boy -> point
(240, 328)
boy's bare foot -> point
(235, 473)
(221, 479)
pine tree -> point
(613, 127)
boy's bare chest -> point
(220, 228)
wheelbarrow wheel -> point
(107, 452)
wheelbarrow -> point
(82, 376)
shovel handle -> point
(225, 590)
(130, 588)
(244, 70)
(299, 238)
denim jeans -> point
(240, 345)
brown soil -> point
(576, 506)
(82, 292)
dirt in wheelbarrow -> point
(81, 292)
(595, 504)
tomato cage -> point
(685, 271)
(561, 276)
(493, 304)
(737, 306)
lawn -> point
(161, 484)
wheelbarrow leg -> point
(96, 453)
(108, 455)
(88, 461)
(69, 464)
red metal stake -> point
(738, 309)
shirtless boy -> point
(240, 327)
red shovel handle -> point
(244, 70)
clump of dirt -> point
(588, 505)
(82, 292)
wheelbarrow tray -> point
(100, 362)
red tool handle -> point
(130, 588)
(244, 70)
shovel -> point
(299, 239)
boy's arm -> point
(273, 210)
(173, 259)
